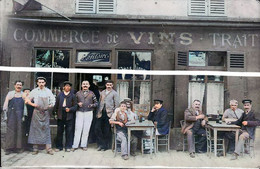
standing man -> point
(65, 108)
(194, 124)
(28, 111)
(231, 114)
(13, 112)
(87, 101)
(43, 101)
(109, 101)
(248, 123)
(159, 116)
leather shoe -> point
(73, 149)
(84, 148)
(35, 152)
(67, 150)
(99, 149)
(192, 155)
(125, 157)
(8, 152)
(234, 156)
(132, 154)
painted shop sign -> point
(150, 38)
(93, 56)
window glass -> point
(136, 87)
(216, 58)
(53, 59)
(197, 58)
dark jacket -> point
(71, 103)
(88, 100)
(190, 119)
(252, 122)
(161, 117)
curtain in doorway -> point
(145, 89)
(196, 92)
(215, 98)
(122, 89)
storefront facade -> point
(142, 47)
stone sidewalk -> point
(96, 159)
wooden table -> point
(145, 125)
(222, 127)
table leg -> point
(237, 133)
(215, 141)
(128, 140)
(151, 141)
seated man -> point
(231, 114)
(159, 116)
(194, 124)
(119, 118)
(248, 123)
(131, 117)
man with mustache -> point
(109, 101)
(231, 114)
(248, 124)
(194, 124)
(43, 102)
(65, 108)
(13, 112)
(87, 101)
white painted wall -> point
(235, 8)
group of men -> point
(195, 121)
(74, 114)
(64, 107)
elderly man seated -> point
(194, 124)
(231, 114)
(248, 124)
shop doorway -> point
(97, 84)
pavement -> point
(105, 159)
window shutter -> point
(181, 60)
(236, 61)
(106, 6)
(85, 6)
(198, 7)
(217, 8)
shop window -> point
(53, 59)
(208, 89)
(207, 8)
(95, 6)
(136, 87)
(207, 58)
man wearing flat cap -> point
(42, 99)
(65, 108)
(248, 124)
(159, 116)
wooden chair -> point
(146, 144)
(184, 140)
(164, 140)
(116, 144)
(249, 147)
(210, 143)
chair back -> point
(182, 123)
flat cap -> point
(246, 101)
(158, 100)
(67, 82)
(127, 99)
(41, 78)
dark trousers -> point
(230, 141)
(103, 131)
(68, 124)
(201, 140)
